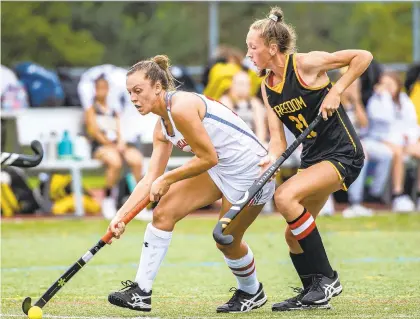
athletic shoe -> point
(242, 301)
(357, 210)
(403, 203)
(109, 208)
(145, 215)
(322, 290)
(132, 297)
(328, 208)
(294, 303)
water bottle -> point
(44, 143)
(131, 181)
(51, 147)
(82, 148)
(65, 147)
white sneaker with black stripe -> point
(242, 301)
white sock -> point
(155, 246)
(245, 272)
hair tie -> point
(273, 17)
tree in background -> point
(385, 30)
(122, 33)
(41, 32)
(132, 31)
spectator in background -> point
(374, 151)
(217, 77)
(351, 99)
(86, 86)
(393, 121)
(103, 128)
(369, 79)
(225, 55)
(238, 98)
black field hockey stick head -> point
(37, 148)
(26, 305)
(237, 207)
(23, 160)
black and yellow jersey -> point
(297, 105)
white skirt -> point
(234, 177)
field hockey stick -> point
(27, 303)
(237, 207)
(22, 160)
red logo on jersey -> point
(181, 144)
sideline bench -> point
(34, 123)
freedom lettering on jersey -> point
(290, 106)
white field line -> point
(201, 317)
(76, 317)
(357, 298)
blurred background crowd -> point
(63, 83)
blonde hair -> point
(156, 69)
(274, 30)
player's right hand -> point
(265, 163)
(116, 227)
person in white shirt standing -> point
(392, 118)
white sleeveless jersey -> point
(229, 134)
(238, 150)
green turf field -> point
(378, 260)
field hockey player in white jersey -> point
(226, 163)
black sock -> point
(303, 268)
(108, 192)
(305, 231)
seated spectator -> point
(103, 128)
(224, 55)
(132, 123)
(238, 98)
(218, 74)
(369, 79)
(374, 151)
(351, 100)
(393, 122)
